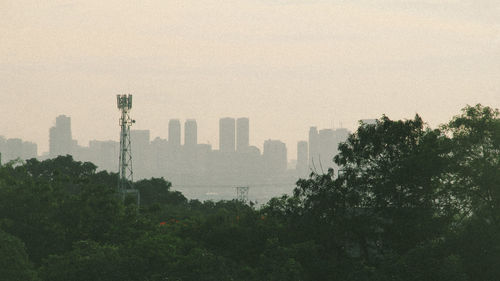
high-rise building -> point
(60, 139)
(190, 133)
(30, 150)
(302, 158)
(226, 134)
(313, 147)
(327, 149)
(340, 135)
(14, 149)
(242, 134)
(323, 146)
(174, 132)
(189, 158)
(274, 156)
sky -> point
(285, 64)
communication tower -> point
(125, 172)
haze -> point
(286, 65)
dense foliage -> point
(407, 203)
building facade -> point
(242, 134)
(60, 138)
(174, 132)
(190, 133)
(227, 135)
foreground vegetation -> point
(408, 203)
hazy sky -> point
(285, 64)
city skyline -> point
(204, 134)
(61, 132)
(267, 140)
(284, 64)
(178, 132)
(187, 162)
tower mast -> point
(125, 172)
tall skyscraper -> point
(327, 148)
(242, 134)
(190, 133)
(302, 158)
(60, 139)
(226, 134)
(323, 146)
(313, 147)
(274, 156)
(174, 132)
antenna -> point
(125, 172)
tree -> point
(88, 261)
(474, 179)
(393, 170)
(14, 262)
(475, 174)
(157, 190)
(54, 203)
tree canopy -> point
(407, 202)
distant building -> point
(104, 154)
(159, 156)
(302, 158)
(139, 139)
(30, 150)
(327, 149)
(323, 146)
(141, 153)
(227, 134)
(60, 139)
(12, 149)
(242, 134)
(174, 132)
(313, 147)
(190, 133)
(341, 135)
(189, 159)
(368, 121)
(203, 152)
(275, 156)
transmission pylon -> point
(125, 172)
(242, 193)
